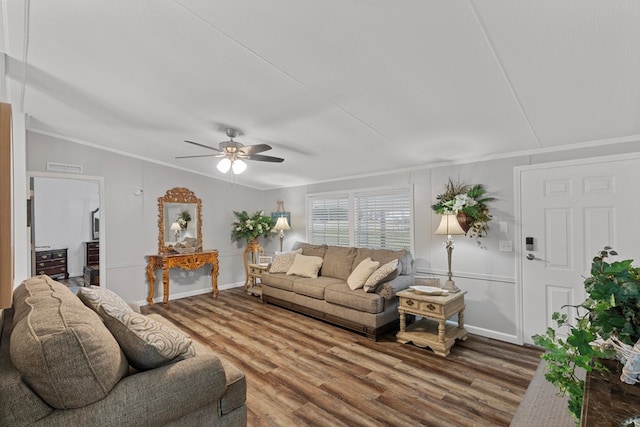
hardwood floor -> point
(72, 282)
(301, 371)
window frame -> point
(351, 195)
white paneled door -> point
(569, 212)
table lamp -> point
(281, 225)
(449, 226)
(176, 227)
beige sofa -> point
(329, 298)
(61, 366)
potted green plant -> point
(250, 226)
(469, 202)
(611, 312)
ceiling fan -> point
(234, 153)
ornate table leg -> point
(151, 280)
(214, 278)
(403, 321)
(165, 283)
(442, 330)
(246, 264)
(461, 324)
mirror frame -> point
(95, 224)
(178, 195)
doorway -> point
(61, 224)
(569, 211)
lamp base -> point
(450, 286)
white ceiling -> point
(338, 88)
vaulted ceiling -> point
(339, 88)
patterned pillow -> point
(96, 297)
(361, 273)
(146, 343)
(381, 275)
(283, 261)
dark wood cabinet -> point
(53, 263)
(607, 400)
(91, 275)
(92, 253)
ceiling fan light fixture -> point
(238, 166)
(224, 165)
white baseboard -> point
(488, 333)
(173, 296)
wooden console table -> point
(190, 261)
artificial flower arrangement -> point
(183, 219)
(251, 226)
(469, 200)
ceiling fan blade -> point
(254, 149)
(262, 158)
(201, 145)
(201, 155)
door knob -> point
(531, 257)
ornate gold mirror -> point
(179, 221)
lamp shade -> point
(449, 225)
(175, 227)
(224, 165)
(282, 224)
(238, 166)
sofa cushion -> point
(311, 250)
(305, 266)
(338, 262)
(279, 280)
(340, 294)
(361, 273)
(385, 273)
(383, 256)
(61, 347)
(314, 288)
(283, 261)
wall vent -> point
(62, 167)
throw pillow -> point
(96, 297)
(305, 266)
(380, 275)
(361, 273)
(146, 343)
(283, 261)
(61, 348)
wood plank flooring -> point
(303, 372)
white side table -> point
(432, 331)
(255, 279)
